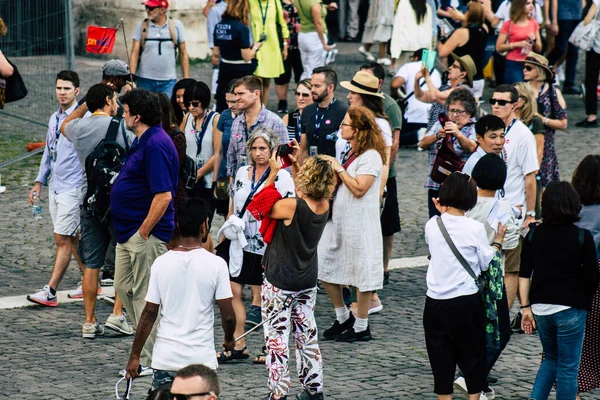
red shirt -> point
(516, 33)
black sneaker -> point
(337, 328)
(350, 336)
(306, 395)
(282, 107)
(571, 90)
(386, 277)
(587, 124)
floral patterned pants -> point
(300, 319)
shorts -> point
(252, 270)
(512, 258)
(96, 237)
(293, 63)
(390, 217)
(64, 210)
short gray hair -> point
(264, 133)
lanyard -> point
(347, 153)
(247, 132)
(298, 126)
(509, 127)
(264, 16)
(255, 185)
(319, 119)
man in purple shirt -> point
(142, 204)
(61, 171)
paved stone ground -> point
(44, 357)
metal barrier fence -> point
(39, 43)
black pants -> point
(562, 46)
(499, 63)
(455, 335)
(592, 72)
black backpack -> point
(102, 167)
(187, 171)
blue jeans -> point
(513, 72)
(155, 86)
(561, 335)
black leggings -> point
(592, 72)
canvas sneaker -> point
(461, 384)
(107, 279)
(384, 61)
(43, 297)
(118, 324)
(366, 54)
(78, 293)
(90, 331)
(145, 371)
(375, 306)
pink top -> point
(517, 34)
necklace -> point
(190, 247)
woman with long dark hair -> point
(412, 30)
(179, 108)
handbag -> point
(222, 249)
(583, 35)
(479, 280)
(15, 87)
(446, 161)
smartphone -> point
(313, 151)
(263, 38)
(283, 152)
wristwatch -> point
(339, 171)
(530, 214)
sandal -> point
(261, 358)
(234, 355)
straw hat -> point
(540, 61)
(363, 83)
(467, 64)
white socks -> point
(361, 324)
(342, 314)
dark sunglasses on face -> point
(527, 67)
(189, 396)
(150, 9)
(194, 103)
(298, 94)
(500, 102)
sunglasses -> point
(176, 396)
(500, 102)
(305, 95)
(150, 9)
(194, 103)
(527, 67)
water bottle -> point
(36, 208)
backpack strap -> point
(113, 129)
(145, 26)
(207, 120)
(172, 32)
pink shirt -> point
(516, 33)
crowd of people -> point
(135, 181)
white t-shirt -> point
(503, 14)
(186, 285)
(596, 44)
(416, 111)
(520, 155)
(446, 277)
(386, 131)
(206, 148)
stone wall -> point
(110, 12)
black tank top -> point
(290, 260)
(475, 47)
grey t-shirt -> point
(157, 60)
(86, 133)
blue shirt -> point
(150, 167)
(224, 125)
(59, 163)
(231, 36)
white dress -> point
(351, 248)
(407, 35)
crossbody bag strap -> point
(411, 94)
(203, 128)
(455, 251)
(262, 180)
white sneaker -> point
(43, 297)
(90, 331)
(146, 371)
(461, 384)
(384, 61)
(78, 293)
(366, 54)
(491, 395)
(482, 396)
(118, 324)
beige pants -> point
(132, 274)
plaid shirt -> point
(467, 130)
(237, 143)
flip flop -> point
(234, 355)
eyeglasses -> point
(177, 396)
(344, 124)
(527, 67)
(456, 111)
(194, 103)
(299, 94)
(150, 9)
(501, 103)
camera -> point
(284, 150)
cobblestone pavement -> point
(44, 357)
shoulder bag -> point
(583, 35)
(479, 280)
(446, 161)
(15, 87)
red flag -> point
(100, 39)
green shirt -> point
(394, 113)
(307, 23)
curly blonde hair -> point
(316, 178)
(369, 134)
